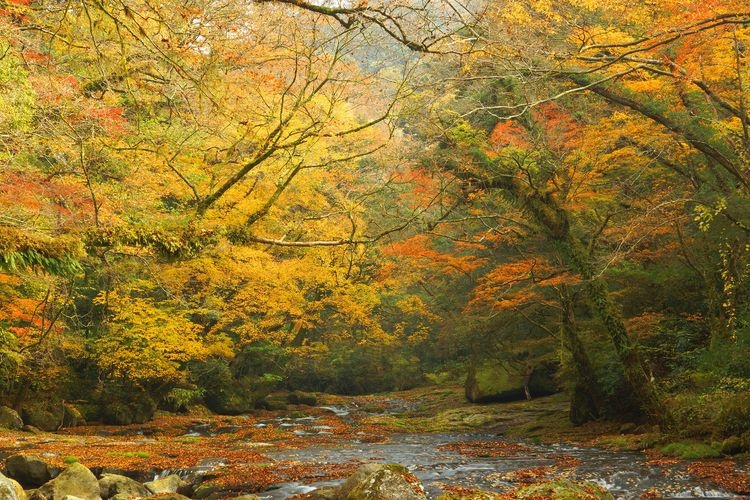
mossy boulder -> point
(474, 495)
(381, 482)
(76, 480)
(115, 484)
(206, 490)
(138, 411)
(29, 470)
(564, 490)
(117, 414)
(493, 382)
(302, 398)
(732, 446)
(167, 496)
(42, 416)
(10, 489)
(273, 402)
(9, 419)
(72, 416)
(327, 493)
(169, 484)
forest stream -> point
(476, 249)
(481, 461)
(290, 453)
(461, 462)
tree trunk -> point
(638, 382)
(21, 393)
(528, 373)
(471, 390)
(587, 401)
(551, 215)
(718, 321)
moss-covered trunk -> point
(587, 400)
(637, 380)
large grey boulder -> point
(29, 470)
(76, 480)
(10, 489)
(381, 482)
(122, 486)
(168, 484)
(9, 419)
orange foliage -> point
(512, 284)
(419, 249)
(22, 315)
(645, 324)
(560, 128)
(111, 118)
(509, 133)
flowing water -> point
(627, 475)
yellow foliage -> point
(145, 340)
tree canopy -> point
(225, 197)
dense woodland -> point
(205, 201)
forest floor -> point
(251, 453)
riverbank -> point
(445, 441)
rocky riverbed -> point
(303, 449)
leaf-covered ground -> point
(233, 445)
(238, 451)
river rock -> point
(198, 410)
(628, 428)
(492, 382)
(29, 470)
(167, 496)
(9, 419)
(72, 416)
(170, 484)
(731, 446)
(381, 482)
(563, 489)
(10, 489)
(39, 415)
(122, 486)
(272, 402)
(328, 493)
(207, 490)
(76, 480)
(302, 398)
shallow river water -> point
(627, 475)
